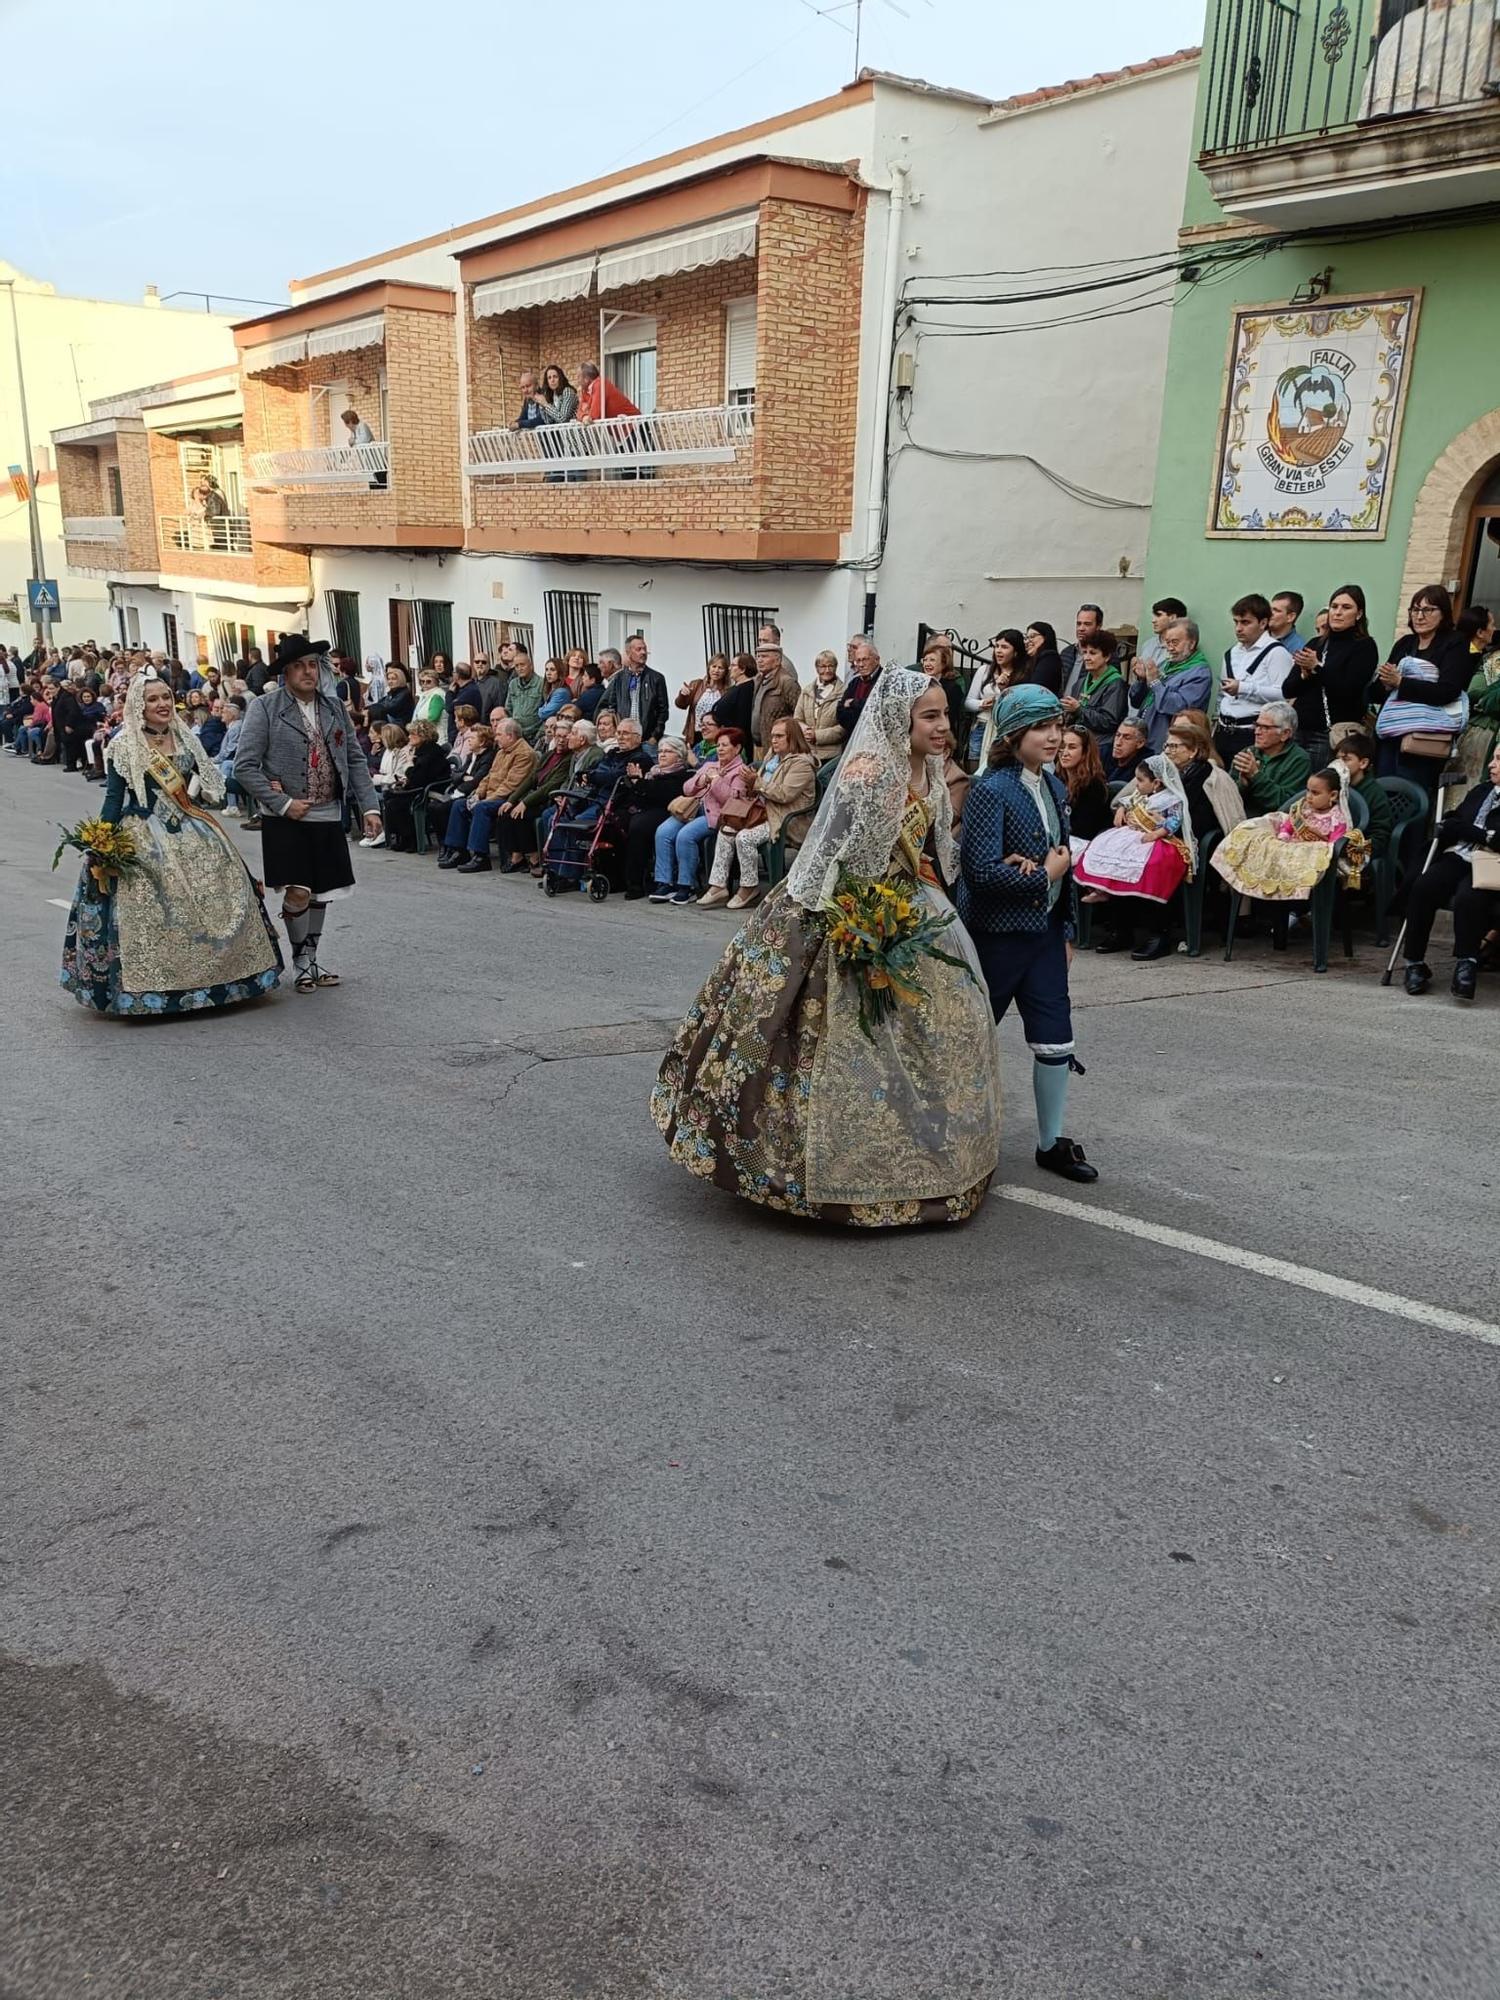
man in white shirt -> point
(1255, 668)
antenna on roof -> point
(857, 31)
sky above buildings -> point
(226, 149)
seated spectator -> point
(786, 789)
(1255, 671)
(466, 727)
(605, 722)
(1181, 679)
(471, 819)
(520, 838)
(1472, 829)
(91, 715)
(211, 730)
(735, 707)
(1126, 749)
(473, 768)
(817, 710)
(699, 697)
(14, 717)
(1102, 697)
(1358, 753)
(586, 746)
(1282, 855)
(395, 755)
(696, 820)
(36, 733)
(1081, 769)
(1214, 799)
(1143, 860)
(398, 703)
(1277, 767)
(648, 792)
(428, 770)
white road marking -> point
(1416, 1310)
(59, 902)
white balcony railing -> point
(94, 528)
(352, 465)
(666, 437)
(223, 535)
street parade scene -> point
(752, 940)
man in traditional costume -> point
(298, 760)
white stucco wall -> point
(665, 600)
(74, 350)
(989, 541)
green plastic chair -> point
(1411, 808)
(1320, 903)
(1194, 893)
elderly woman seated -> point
(428, 769)
(471, 820)
(694, 818)
(648, 793)
(785, 791)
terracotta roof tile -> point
(1076, 86)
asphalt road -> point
(448, 1551)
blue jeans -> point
(682, 843)
(481, 826)
(29, 741)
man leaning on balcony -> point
(636, 690)
(358, 432)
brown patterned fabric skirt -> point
(772, 1091)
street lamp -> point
(42, 627)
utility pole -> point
(42, 628)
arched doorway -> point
(1444, 536)
(1479, 579)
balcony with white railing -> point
(192, 534)
(94, 528)
(354, 467)
(619, 445)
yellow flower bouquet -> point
(108, 849)
(880, 933)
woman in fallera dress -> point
(182, 928)
(773, 1089)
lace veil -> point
(860, 817)
(132, 756)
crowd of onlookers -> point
(599, 775)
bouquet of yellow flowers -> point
(879, 932)
(108, 848)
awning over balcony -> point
(684, 250)
(534, 288)
(276, 354)
(348, 335)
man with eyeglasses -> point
(1277, 768)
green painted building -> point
(1332, 410)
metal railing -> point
(94, 528)
(614, 444)
(223, 534)
(1282, 70)
(355, 465)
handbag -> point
(685, 808)
(741, 814)
(1427, 743)
(1486, 870)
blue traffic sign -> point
(41, 596)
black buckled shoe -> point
(1418, 978)
(1154, 948)
(477, 864)
(1065, 1157)
(451, 857)
(1465, 978)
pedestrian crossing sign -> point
(41, 594)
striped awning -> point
(275, 354)
(541, 287)
(348, 335)
(684, 250)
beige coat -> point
(775, 696)
(513, 765)
(817, 712)
(790, 795)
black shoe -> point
(450, 857)
(1465, 978)
(635, 895)
(1157, 947)
(1064, 1157)
(1114, 942)
(477, 864)
(1418, 978)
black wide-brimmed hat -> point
(295, 646)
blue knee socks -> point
(1049, 1086)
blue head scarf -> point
(1026, 707)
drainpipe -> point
(881, 413)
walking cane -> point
(1390, 970)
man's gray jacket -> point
(271, 757)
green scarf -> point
(1092, 687)
(1169, 670)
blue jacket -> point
(1001, 818)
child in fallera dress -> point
(1283, 856)
(1146, 852)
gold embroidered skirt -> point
(1252, 860)
(772, 1091)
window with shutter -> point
(739, 352)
